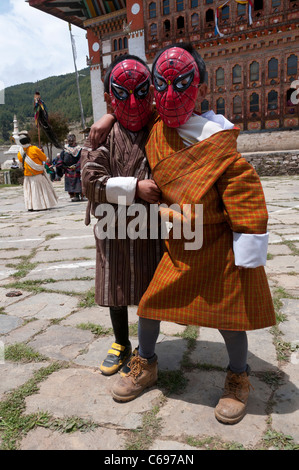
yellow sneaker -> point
(116, 357)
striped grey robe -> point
(124, 267)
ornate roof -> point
(77, 12)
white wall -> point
(97, 92)
(136, 44)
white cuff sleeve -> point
(121, 189)
(250, 250)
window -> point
(166, 8)
(152, 10)
(125, 43)
(292, 64)
(258, 5)
(254, 71)
(120, 44)
(237, 105)
(220, 106)
(272, 100)
(237, 74)
(220, 77)
(179, 5)
(153, 29)
(115, 48)
(209, 16)
(241, 9)
(225, 13)
(206, 79)
(166, 26)
(254, 102)
(194, 3)
(180, 22)
(273, 68)
(194, 20)
(276, 3)
(204, 106)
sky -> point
(35, 45)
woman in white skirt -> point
(39, 193)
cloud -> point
(35, 45)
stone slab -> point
(96, 315)
(99, 439)
(61, 342)
(14, 375)
(25, 332)
(5, 301)
(283, 264)
(191, 413)
(290, 327)
(87, 394)
(288, 282)
(210, 349)
(285, 414)
(44, 306)
(9, 323)
(69, 286)
(64, 270)
(51, 255)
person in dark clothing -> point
(68, 164)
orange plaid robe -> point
(204, 287)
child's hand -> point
(100, 129)
(148, 191)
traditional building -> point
(251, 49)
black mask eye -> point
(141, 90)
(119, 92)
(159, 82)
(183, 81)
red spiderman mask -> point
(130, 97)
(176, 80)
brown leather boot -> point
(232, 405)
(143, 374)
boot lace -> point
(136, 365)
(236, 385)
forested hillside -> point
(59, 93)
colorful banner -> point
(250, 5)
(241, 2)
(216, 19)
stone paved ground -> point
(58, 399)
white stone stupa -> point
(15, 148)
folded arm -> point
(245, 207)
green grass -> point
(95, 329)
(13, 423)
(20, 352)
(88, 299)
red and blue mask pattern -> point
(130, 94)
(176, 79)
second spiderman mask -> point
(130, 94)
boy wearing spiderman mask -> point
(119, 169)
(222, 284)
